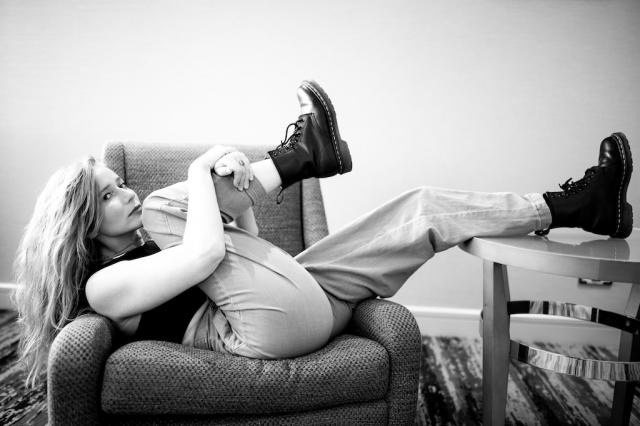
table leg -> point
(629, 350)
(495, 343)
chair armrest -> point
(395, 328)
(314, 219)
(75, 368)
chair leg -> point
(629, 350)
(495, 345)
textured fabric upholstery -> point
(74, 371)
(368, 375)
(396, 329)
(349, 369)
(362, 414)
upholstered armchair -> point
(368, 375)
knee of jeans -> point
(169, 198)
(154, 221)
(177, 193)
(158, 216)
(423, 189)
(153, 202)
(152, 210)
(416, 193)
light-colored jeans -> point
(270, 305)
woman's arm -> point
(129, 288)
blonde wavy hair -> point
(52, 262)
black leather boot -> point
(598, 202)
(314, 149)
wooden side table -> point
(567, 252)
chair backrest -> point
(293, 225)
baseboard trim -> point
(6, 290)
(444, 321)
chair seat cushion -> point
(151, 377)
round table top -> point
(565, 251)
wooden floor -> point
(450, 387)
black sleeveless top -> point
(168, 321)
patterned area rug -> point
(17, 405)
(450, 387)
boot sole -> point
(625, 210)
(340, 147)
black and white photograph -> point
(411, 212)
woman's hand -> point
(211, 157)
(237, 163)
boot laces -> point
(572, 187)
(290, 141)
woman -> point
(201, 282)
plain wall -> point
(481, 95)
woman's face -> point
(119, 205)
